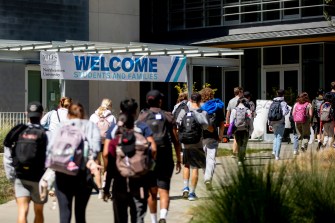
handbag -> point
(231, 128)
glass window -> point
(291, 9)
(176, 20)
(198, 80)
(271, 56)
(194, 18)
(214, 78)
(231, 14)
(290, 54)
(307, 10)
(312, 67)
(213, 14)
(53, 94)
(271, 11)
(250, 13)
(231, 80)
(272, 84)
(251, 71)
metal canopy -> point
(134, 48)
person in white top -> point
(104, 118)
(53, 118)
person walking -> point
(193, 121)
(252, 107)
(332, 93)
(240, 117)
(127, 193)
(278, 126)
(78, 187)
(302, 116)
(214, 134)
(103, 118)
(238, 92)
(316, 105)
(164, 131)
(25, 169)
(327, 121)
(53, 118)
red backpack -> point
(299, 115)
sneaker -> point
(208, 185)
(186, 191)
(233, 156)
(101, 194)
(162, 220)
(277, 158)
(273, 153)
(295, 152)
(192, 197)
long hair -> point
(182, 96)
(128, 108)
(106, 104)
(76, 110)
(65, 102)
(206, 94)
(303, 98)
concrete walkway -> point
(180, 209)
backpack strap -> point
(58, 115)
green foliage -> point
(6, 188)
(3, 132)
(294, 192)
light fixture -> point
(119, 50)
(27, 47)
(42, 46)
(174, 52)
(157, 53)
(232, 53)
(104, 51)
(135, 49)
(191, 51)
(194, 55)
(210, 54)
(141, 54)
(76, 48)
(53, 49)
(65, 49)
(17, 48)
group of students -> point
(305, 118)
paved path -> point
(180, 209)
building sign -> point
(109, 67)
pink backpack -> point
(103, 125)
(299, 115)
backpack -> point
(240, 118)
(103, 125)
(68, 151)
(182, 106)
(190, 131)
(326, 112)
(299, 115)
(133, 154)
(158, 125)
(29, 150)
(275, 111)
(317, 105)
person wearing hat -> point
(164, 131)
(27, 171)
(278, 127)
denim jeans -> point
(278, 132)
(295, 142)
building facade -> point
(61, 20)
(287, 44)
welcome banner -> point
(109, 67)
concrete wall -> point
(12, 85)
(115, 21)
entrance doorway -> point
(287, 78)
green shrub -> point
(6, 188)
(301, 190)
(3, 132)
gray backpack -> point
(241, 121)
(68, 151)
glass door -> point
(281, 78)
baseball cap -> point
(34, 109)
(154, 95)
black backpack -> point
(190, 131)
(158, 125)
(275, 111)
(29, 152)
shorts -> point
(27, 188)
(161, 176)
(194, 157)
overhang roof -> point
(266, 33)
(134, 48)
